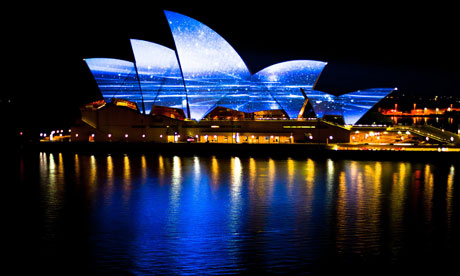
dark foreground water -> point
(172, 215)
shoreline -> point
(429, 154)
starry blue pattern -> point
(159, 75)
(116, 78)
(206, 72)
(352, 106)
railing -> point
(427, 131)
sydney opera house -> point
(203, 91)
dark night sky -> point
(415, 48)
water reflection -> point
(176, 180)
(110, 176)
(428, 193)
(178, 215)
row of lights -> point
(44, 134)
(110, 135)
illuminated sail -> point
(116, 78)
(212, 69)
(159, 75)
(352, 106)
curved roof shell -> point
(205, 71)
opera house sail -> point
(116, 79)
(352, 106)
(212, 69)
(204, 72)
(159, 75)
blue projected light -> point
(284, 81)
(116, 79)
(352, 106)
(159, 75)
(205, 72)
(212, 69)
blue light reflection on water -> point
(186, 215)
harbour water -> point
(144, 214)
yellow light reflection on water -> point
(400, 180)
(126, 169)
(236, 180)
(143, 168)
(110, 175)
(77, 166)
(449, 194)
(52, 182)
(176, 181)
(43, 165)
(310, 172)
(291, 173)
(161, 169)
(377, 191)
(92, 170)
(92, 176)
(271, 176)
(176, 178)
(252, 173)
(236, 177)
(214, 172)
(52, 169)
(372, 197)
(52, 174)
(126, 178)
(341, 212)
(428, 193)
(330, 174)
(271, 170)
(60, 165)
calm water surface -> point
(152, 214)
